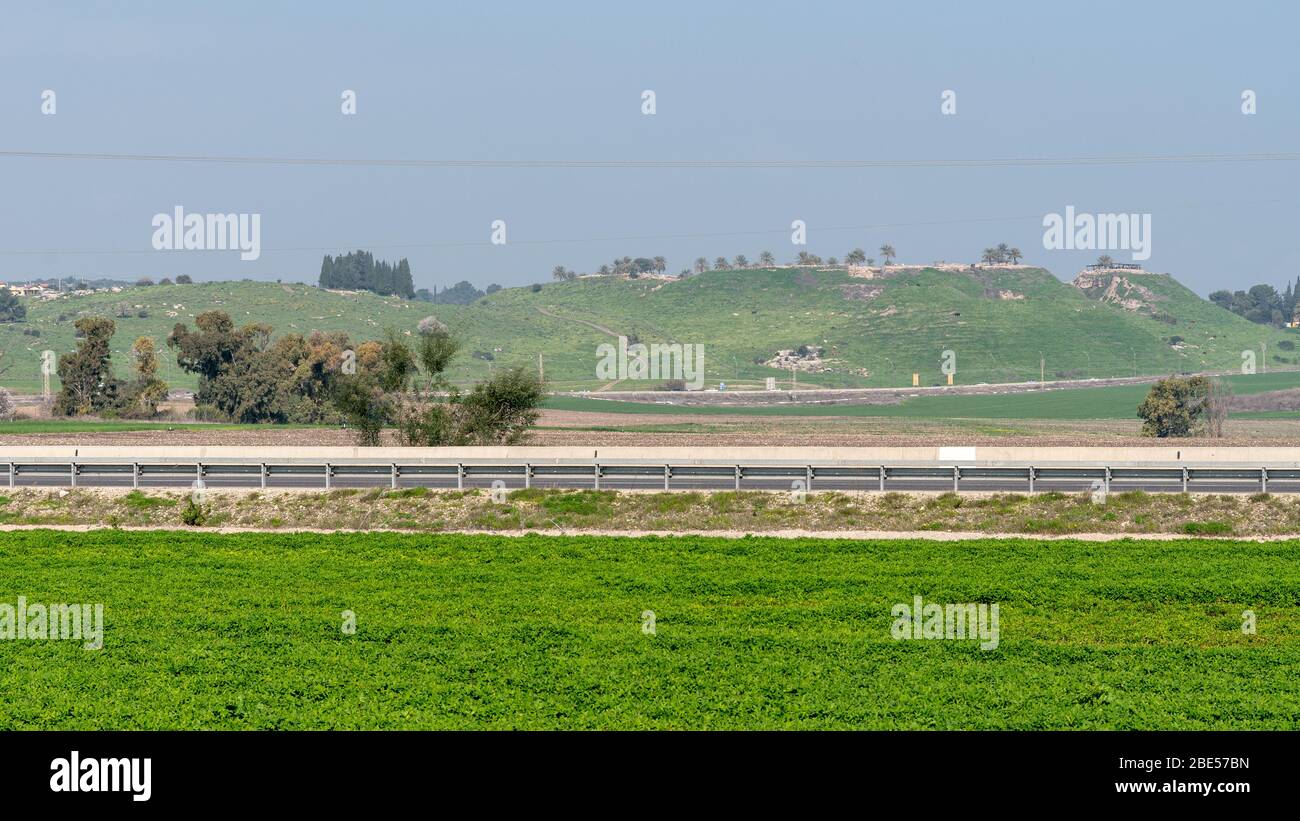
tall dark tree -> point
(86, 374)
(358, 271)
(11, 308)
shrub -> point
(194, 514)
(140, 501)
(1207, 528)
(1174, 406)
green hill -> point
(996, 321)
(872, 332)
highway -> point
(933, 469)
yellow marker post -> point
(916, 380)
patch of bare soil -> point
(686, 430)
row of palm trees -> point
(1002, 254)
(621, 266)
(644, 265)
(767, 260)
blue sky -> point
(733, 81)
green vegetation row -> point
(244, 377)
(474, 632)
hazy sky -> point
(563, 81)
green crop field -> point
(1111, 402)
(244, 631)
(874, 332)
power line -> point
(557, 241)
(1002, 162)
(618, 238)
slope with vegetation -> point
(1003, 324)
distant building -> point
(27, 290)
(1116, 266)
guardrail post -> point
(13, 469)
(528, 476)
(135, 474)
(1263, 480)
(263, 475)
(882, 478)
(808, 477)
(198, 471)
(667, 474)
(329, 469)
(393, 476)
(737, 477)
(460, 476)
(1107, 481)
(73, 473)
(596, 468)
(1184, 480)
(956, 474)
(1031, 478)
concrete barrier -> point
(1162, 455)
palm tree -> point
(855, 257)
(740, 261)
(720, 264)
(661, 265)
(805, 258)
(1014, 255)
(766, 259)
(1105, 261)
(989, 256)
(887, 251)
(701, 265)
(1003, 251)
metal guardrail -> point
(231, 473)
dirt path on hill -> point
(591, 325)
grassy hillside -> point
(874, 331)
(901, 325)
(209, 631)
